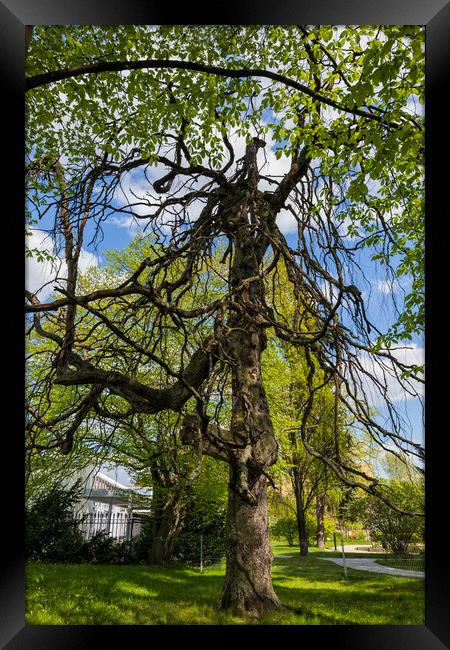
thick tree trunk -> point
(301, 515)
(320, 513)
(167, 523)
(248, 586)
(248, 583)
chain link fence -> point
(199, 550)
(411, 558)
(408, 561)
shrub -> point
(138, 549)
(393, 530)
(101, 548)
(286, 528)
(52, 532)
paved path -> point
(369, 564)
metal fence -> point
(199, 550)
(412, 558)
(119, 526)
(408, 561)
(199, 553)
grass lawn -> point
(314, 593)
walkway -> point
(369, 564)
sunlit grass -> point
(323, 593)
(313, 592)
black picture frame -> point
(435, 15)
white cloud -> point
(384, 286)
(129, 223)
(86, 260)
(41, 277)
(385, 373)
(286, 222)
(37, 274)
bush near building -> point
(53, 532)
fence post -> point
(131, 534)
(108, 518)
(128, 519)
(343, 557)
(201, 553)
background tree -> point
(285, 371)
(203, 534)
(394, 530)
(149, 447)
(107, 101)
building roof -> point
(119, 494)
(113, 483)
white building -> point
(107, 505)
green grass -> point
(314, 593)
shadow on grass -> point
(323, 592)
(135, 595)
(313, 594)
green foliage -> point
(286, 528)
(199, 543)
(52, 533)
(365, 125)
(140, 545)
(395, 531)
(206, 517)
(129, 450)
(204, 505)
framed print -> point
(233, 216)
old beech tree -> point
(210, 137)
